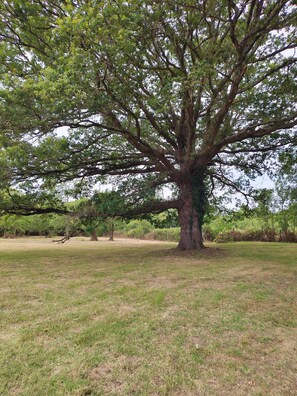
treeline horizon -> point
(273, 218)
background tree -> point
(13, 226)
(153, 92)
(286, 202)
(90, 216)
(107, 206)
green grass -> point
(138, 318)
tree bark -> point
(94, 236)
(191, 227)
(111, 232)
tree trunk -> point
(111, 232)
(190, 220)
(94, 236)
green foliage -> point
(224, 229)
(108, 204)
(272, 219)
(13, 225)
(138, 228)
(58, 224)
(39, 225)
(166, 219)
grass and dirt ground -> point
(137, 318)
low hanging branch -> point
(29, 211)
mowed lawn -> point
(138, 318)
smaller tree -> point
(100, 212)
(287, 204)
(14, 225)
(264, 201)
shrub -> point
(269, 235)
(208, 234)
(138, 228)
(224, 237)
(252, 235)
(164, 234)
(289, 236)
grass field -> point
(136, 318)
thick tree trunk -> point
(191, 229)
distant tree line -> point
(272, 218)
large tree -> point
(181, 92)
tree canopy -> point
(152, 93)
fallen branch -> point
(66, 238)
(62, 240)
